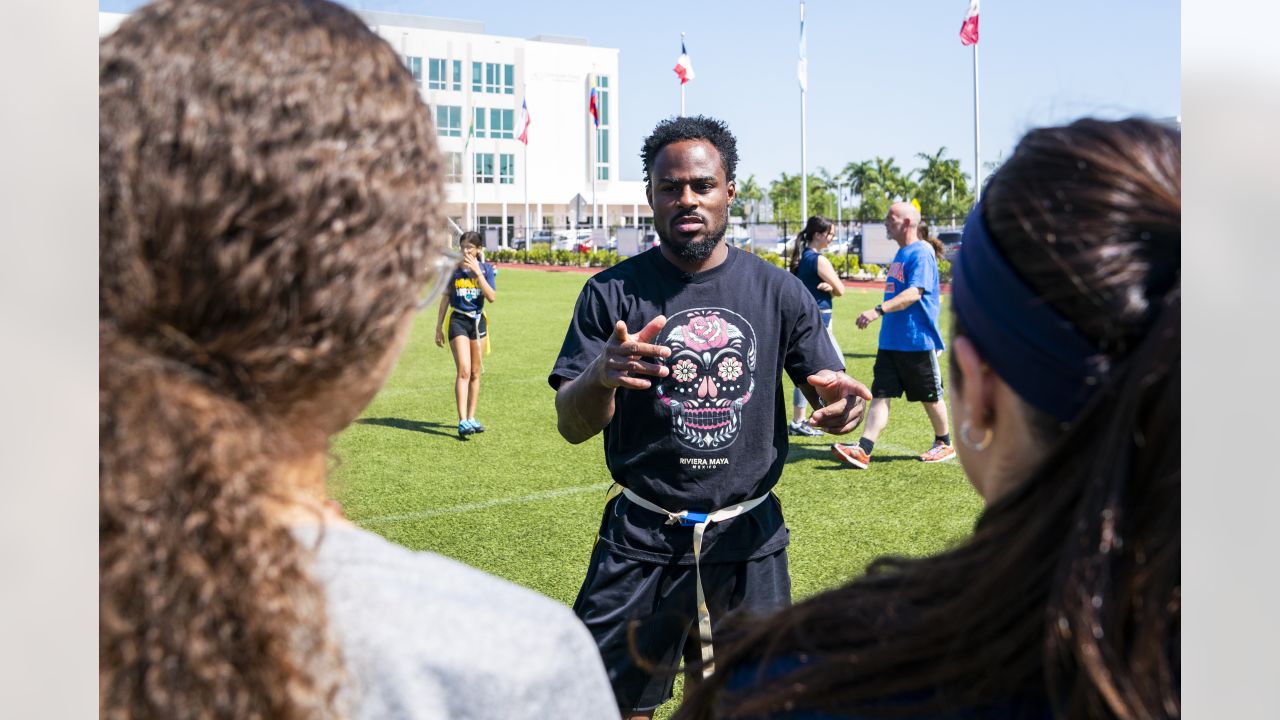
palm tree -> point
(785, 194)
(943, 190)
(861, 177)
(749, 193)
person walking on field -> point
(470, 287)
(677, 355)
(910, 341)
(820, 279)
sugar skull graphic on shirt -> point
(712, 364)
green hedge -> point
(542, 254)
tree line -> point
(944, 192)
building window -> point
(602, 135)
(492, 78)
(457, 75)
(448, 120)
(602, 154)
(509, 79)
(478, 123)
(436, 77)
(477, 77)
(602, 83)
(507, 169)
(501, 123)
(453, 164)
(484, 168)
(415, 66)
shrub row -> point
(608, 258)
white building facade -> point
(475, 84)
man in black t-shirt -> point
(692, 409)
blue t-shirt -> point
(915, 328)
(807, 271)
(464, 289)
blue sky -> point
(886, 78)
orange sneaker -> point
(940, 452)
(852, 454)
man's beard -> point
(693, 251)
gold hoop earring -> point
(965, 427)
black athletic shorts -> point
(915, 372)
(465, 325)
(662, 600)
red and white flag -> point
(969, 30)
(524, 122)
(684, 66)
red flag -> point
(969, 30)
(594, 109)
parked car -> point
(547, 236)
(950, 244)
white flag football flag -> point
(684, 66)
(969, 30)
(802, 67)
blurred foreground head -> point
(1066, 601)
(269, 206)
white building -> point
(474, 80)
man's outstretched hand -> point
(844, 401)
(623, 362)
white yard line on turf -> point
(485, 505)
(533, 497)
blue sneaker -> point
(465, 429)
(476, 427)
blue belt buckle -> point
(692, 518)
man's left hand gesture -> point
(844, 401)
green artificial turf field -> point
(520, 502)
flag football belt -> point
(476, 315)
(699, 522)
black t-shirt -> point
(713, 432)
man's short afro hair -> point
(698, 127)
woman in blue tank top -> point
(820, 278)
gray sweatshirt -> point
(424, 636)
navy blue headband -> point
(1030, 346)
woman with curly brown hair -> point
(1066, 601)
(270, 213)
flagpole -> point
(804, 184)
(682, 81)
(977, 142)
(595, 141)
(528, 235)
(471, 205)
